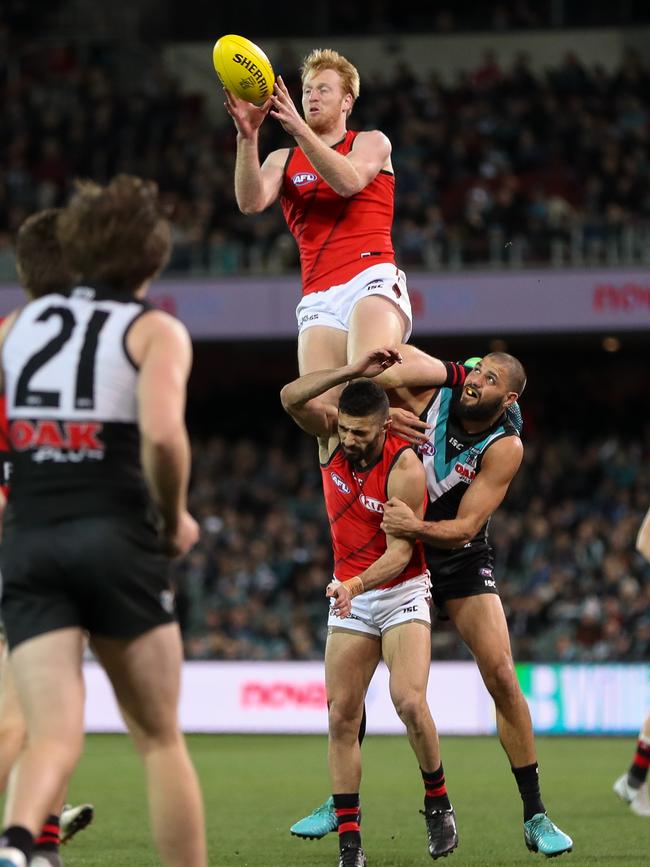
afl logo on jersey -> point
(427, 448)
(302, 178)
(340, 484)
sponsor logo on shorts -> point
(308, 317)
(371, 504)
(427, 448)
(374, 285)
(490, 582)
(410, 609)
(340, 484)
(485, 572)
(302, 178)
(167, 601)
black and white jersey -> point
(452, 459)
(72, 409)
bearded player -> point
(380, 592)
(471, 454)
(336, 188)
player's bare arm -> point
(407, 403)
(256, 186)
(320, 418)
(5, 328)
(161, 347)
(346, 174)
(643, 537)
(482, 498)
(407, 481)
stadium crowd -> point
(501, 165)
(572, 585)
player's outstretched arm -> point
(482, 498)
(643, 538)
(256, 186)
(345, 174)
(300, 397)
(421, 370)
(161, 347)
(407, 481)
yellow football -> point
(243, 68)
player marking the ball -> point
(336, 188)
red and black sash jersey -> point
(354, 499)
(337, 237)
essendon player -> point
(381, 590)
(95, 386)
(336, 188)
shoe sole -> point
(532, 848)
(80, 821)
(444, 854)
(308, 836)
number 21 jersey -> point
(71, 398)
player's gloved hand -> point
(408, 426)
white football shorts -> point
(333, 307)
(376, 611)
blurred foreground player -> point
(381, 589)
(336, 188)
(41, 271)
(471, 454)
(95, 386)
(632, 786)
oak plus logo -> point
(340, 484)
(466, 474)
(301, 179)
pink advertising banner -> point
(449, 303)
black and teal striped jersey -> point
(452, 459)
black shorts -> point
(109, 576)
(473, 576)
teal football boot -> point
(317, 824)
(541, 835)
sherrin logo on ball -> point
(243, 68)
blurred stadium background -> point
(521, 143)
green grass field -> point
(255, 787)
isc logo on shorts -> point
(302, 178)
